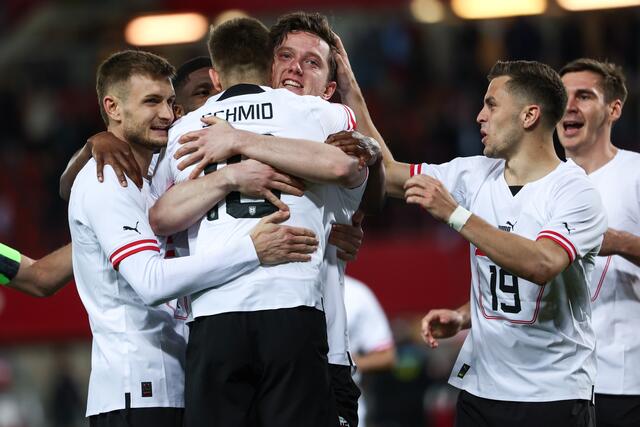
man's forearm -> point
(535, 261)
(623, 243)
(396, 173)
(187, 202)
(373, 197)
(45, 276)
(312, 161)
(77, 162)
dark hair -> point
(240, 44)
(120, 66)
(313, 23)
(613, 80)
(535, 82)
(182, 75)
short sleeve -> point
(118, 217)
(577, 220)
(460, 176)
(334, 117)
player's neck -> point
(242, 78)
(592, 157)
(141, 153)
(535, 159)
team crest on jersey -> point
(463, 370)
(252, 210)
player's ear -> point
(112, 106)
(178, 111)
(215, 79)
(329, 90)
(530, 116)
(615, 110)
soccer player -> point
(536, 227)
(138, 350)
(193, 85)
(291, 299)
(300, 41)
(597, 94)
(370, 337)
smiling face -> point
(195, 91)
(587, 112)
(147, 110)
(301, 64)
(499, 120)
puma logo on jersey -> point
(510, 226)
(126, 227)
(566, 225)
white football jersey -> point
(119, 268)
(368, 327)
(274, 112)
(615, 284)
(528, 342)
(340, 205)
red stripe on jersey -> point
(479, 252)
(129, 245)
(604, 273)
(562, 244)
(124, 250)
(116, 262)
(352, 120)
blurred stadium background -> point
(422, 67)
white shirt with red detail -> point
(615, 285)
(119, 269)
(276, 112)
(341, 203)
(527, 342)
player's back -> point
(280, 113)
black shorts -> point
(345, 392)
(473, 411)
(266, 368)
(138, 417)
(617, 410)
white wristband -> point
(458, 218)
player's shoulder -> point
(87, 183)
(570, 172)
(478, 165)
(628, 161)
